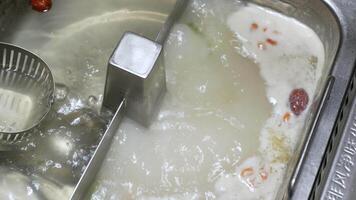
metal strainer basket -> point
(26, 92)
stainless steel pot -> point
(309, 172)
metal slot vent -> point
(333, 142)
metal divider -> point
(336, 175)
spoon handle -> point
(176, 13)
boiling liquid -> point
(17, 107)
(76, 39)
(221, 131)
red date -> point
(41, 5)
(298, 100)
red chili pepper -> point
(41, 5)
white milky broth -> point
(225, 129)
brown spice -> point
(254, 26)
(271, 42)
(247, 172)
(286, 117)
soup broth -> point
(241, 80)
(229, 124)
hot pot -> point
(322, 167)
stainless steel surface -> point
(99, 155)
(26, 92)
(136, 71)
(175, 14)
(337, 175)
(333, 21)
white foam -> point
(294, 59)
